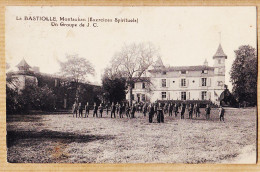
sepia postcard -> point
(140, 84)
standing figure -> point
(86, 110)
(75, 109)
(155, 108)
(151, 112)
(113, 110)
(139, 107)
(127, 110)
(80, 110)
(107, 108)
(144, 109)
(100, 108)
(133, 109)
(221, 113)
(160, 117)
(170, 109)
(176, 110)
(207, 109)
(123, 108)
(165, 108)
(190, 109)
(197, 110)
(117, 108)
(120, 109)
(182, 110)
(95, 109)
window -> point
(203, 81)
(143, 85)
(220, 83)
(219, 61)
(204, 95)
(163, 95)
(221, 71)
(133, 85)
(163, 82)
(204, 71)
(183, 82)
(138, 97)
(183, 95)
(164, 72)
(133, 97)
(143, 97)
(183, 72)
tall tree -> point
(244, 75)
(77, 70)
(132, 62)
(113, 86)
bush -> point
(30, 98)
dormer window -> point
(143, 85)
(183, 72)
(204, 71)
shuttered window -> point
(203, 81)
(204, 95)
(183, 95)
(163, 82)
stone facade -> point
(201, 82)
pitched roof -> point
(24, 64)
(220, 52)
(185, 68)
(158, 63)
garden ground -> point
(62, 138)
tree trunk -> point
(130, 90)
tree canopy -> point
(76, 68)
(244, 75)
(132, 61)
(113, 86)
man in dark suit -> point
(190, 111)
(113, 110)
(182, 110)
(160, 117)
(86, 110)
(133, 109)
(151, 112)
(95, 110)
(100, 108)
(75, 109)
(80, 110)
(207, 109)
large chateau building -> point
(200, 82)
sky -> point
(183, 35)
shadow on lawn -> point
(13, 137)
(23, 118)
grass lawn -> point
(62, 138)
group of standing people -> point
(152, 109)
(77, 110)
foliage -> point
(244, 75)
(32, 97)
(114, 86)
(76, 68)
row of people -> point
(151, 109)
